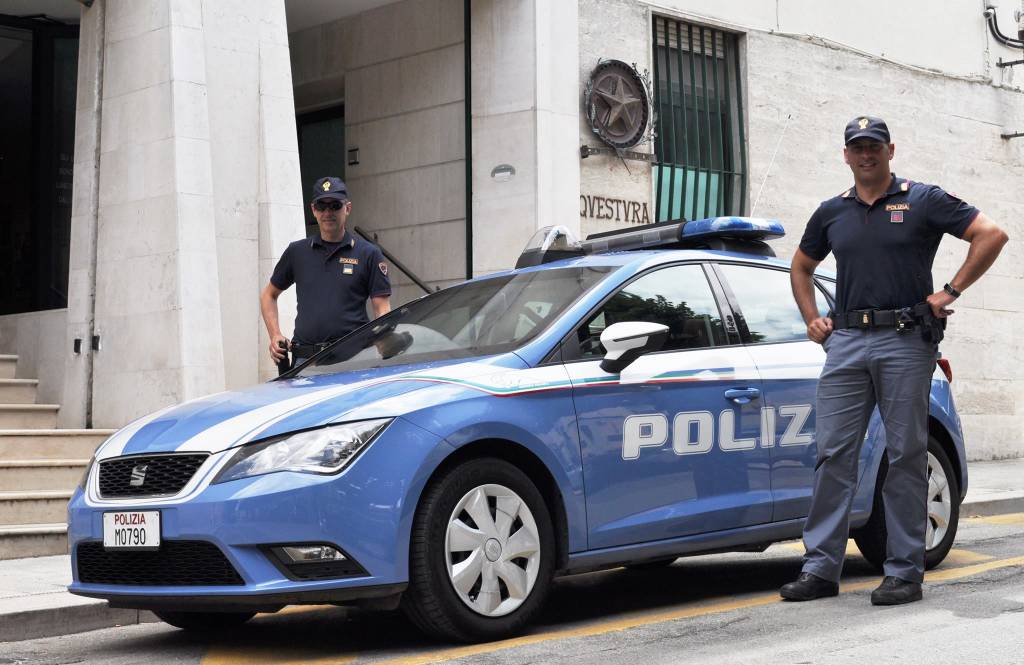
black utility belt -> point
(900, 319)
(308, 350)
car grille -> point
(176, 563)
(156, 475)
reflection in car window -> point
(766, 299)
(678, 297)
(476, 318)
(822, 302)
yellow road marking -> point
(670, 615)
(1009, 519)
(229, 656)
(851, 547)
(276, 655)
(958, 557)
(301, 609)
(967, 571)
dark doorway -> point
(321, 152)
(38, 81)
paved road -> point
(710, 610)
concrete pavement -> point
(34, 601)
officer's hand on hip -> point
(276, 350)
(819, 329)
(938, 302)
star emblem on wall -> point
(618, 104)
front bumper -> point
(366, 511)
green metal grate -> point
(700, 168)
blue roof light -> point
(748, 228)
(742, 234)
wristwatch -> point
(950, 290)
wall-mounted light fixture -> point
(353, 156)
(503, 172)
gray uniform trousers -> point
(864, 368)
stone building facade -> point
(458, 125)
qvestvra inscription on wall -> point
(619, 210)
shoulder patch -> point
(905, 186)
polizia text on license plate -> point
(136, 530)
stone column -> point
(197, 195)
(77, 391)
(525, 114)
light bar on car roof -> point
(737, 234)
(741, 234)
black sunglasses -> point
(328, 205)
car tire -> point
(943, 499)
(452, 557)
(203, 622)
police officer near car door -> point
(334, 273)
(881, 345)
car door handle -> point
(742, 395)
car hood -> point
(223, 420)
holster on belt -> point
(285, 363)
(932, 327)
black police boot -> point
(894, 591)
(809, 586)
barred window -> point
(701, 161)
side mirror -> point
(628, 340)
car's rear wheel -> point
(481, 553)
(943, 513)
(205, 622)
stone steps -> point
(35, 507)
(22, 444)
(18, 391)
(40, 467)
(8, 365)
(28, 416)
(26, 540)
(46, 474)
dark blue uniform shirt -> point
(884, 251)
(333, 281)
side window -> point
(678, 297)
(824, 306)
(766, 300)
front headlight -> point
(326, 450)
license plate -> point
(132, 530)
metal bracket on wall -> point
(1008, 63)
(586, 151)
(1012, 135)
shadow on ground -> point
(331, 634)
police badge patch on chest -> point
(896, 217)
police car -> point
(627, 400)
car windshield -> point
(476, 318)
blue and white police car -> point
(626, 400)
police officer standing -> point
(334, 274)
(881, 349)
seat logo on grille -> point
(138, 475)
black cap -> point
(330, 188)
(867, 127)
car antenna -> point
(769, 170)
